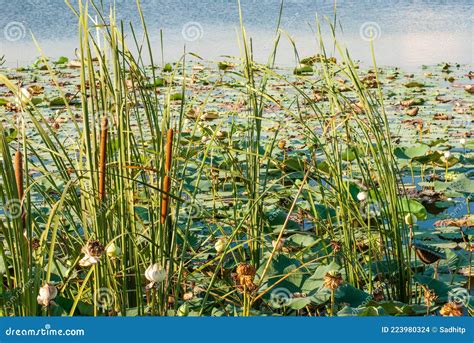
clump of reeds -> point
(146, 240)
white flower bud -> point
(155, 274)
(447, 154)
(462, 141)
(361, 196)
(23, 96)
(220, 244)
(410, 219)
(113, 251)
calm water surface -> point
(408, 33)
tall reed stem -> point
(103, 158)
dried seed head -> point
(94, 248)
(336, 246)
(245, 269)
(429, 296)
(188, 296)
(244, 275)
(451, 310)
(282, 144)
(35, 243)
(333, 280)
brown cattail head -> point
(169, 150)
(102, 157)
(18, 166)
(166, 179)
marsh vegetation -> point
(130, 185)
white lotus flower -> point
(93, 251)
(361, 196)
(155, 274)
(46, 294)
(88, 260)
(23, 96)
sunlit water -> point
(408, 33)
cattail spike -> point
(18, 167)
(169, 150)
(103, 158)
(166, 180)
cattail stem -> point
(332, 302)
(103, 158)
(166, 180)
(446, 172)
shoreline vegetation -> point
(232, 188)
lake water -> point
(408, 33)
